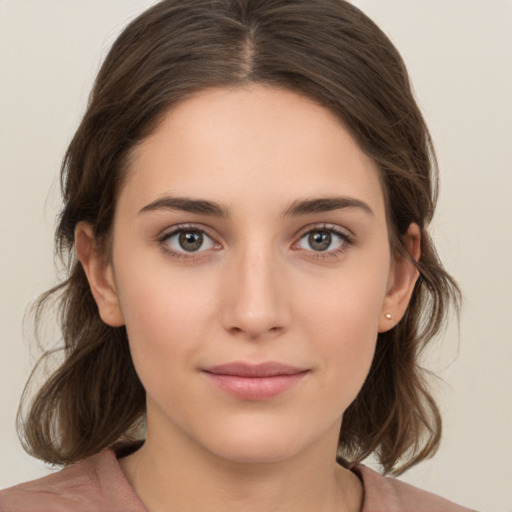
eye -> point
(325, 239)
(188, 240)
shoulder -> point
(392, 495)
(96, 484)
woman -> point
(248, 198)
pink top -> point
(98, 484)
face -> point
(251, 266)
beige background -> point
(459, 53)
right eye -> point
(187, 240)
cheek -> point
(348, 301)
(343, 324)
(166, 315)
(159, 308)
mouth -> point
(255, 382)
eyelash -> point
(346, 239)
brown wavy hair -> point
(327, 50)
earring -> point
(388, 316)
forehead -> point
(238, 145)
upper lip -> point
(241, 369)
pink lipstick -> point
(255, 382)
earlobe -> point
(403, 277)
(99, 274)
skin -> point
(257, 290)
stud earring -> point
(388, 316)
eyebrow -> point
(186, 204)
(325, 204)
(296, 208)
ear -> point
(402, 278)
(99, 274)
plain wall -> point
(459, 54)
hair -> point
(326, 50)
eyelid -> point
(326, 226)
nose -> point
(254, 298)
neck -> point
(181, 476)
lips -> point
(255, 382)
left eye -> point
(189, 240)
(322, 240)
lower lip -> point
(255, 388)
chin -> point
(263, 443)
(257, 452)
